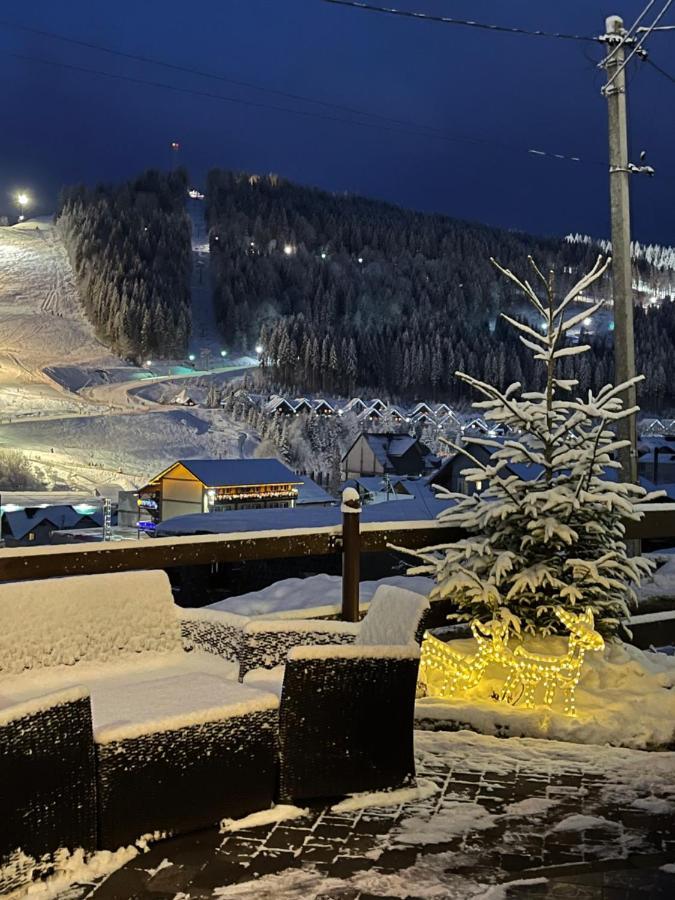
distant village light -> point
(323, 254)
(259, 349)
(360, 259)
(192, 357)
(289, 249)
(223, 352)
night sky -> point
(61, 126)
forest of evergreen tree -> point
(129, 246)
(345, 293)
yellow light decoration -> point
(446, 672)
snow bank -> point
(625, 698)
(322, 591)
(660, 584)
(54, 875)
(424, 789)
(580, 822)
(279, 813)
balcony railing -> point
(18, 564)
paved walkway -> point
(493, 818)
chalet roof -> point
(276, 402)
(231, 472)
(389, 446)
(20, 522)
(320, 401)
(309, 492)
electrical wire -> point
(659, 69)
(640, 44)
(627, 36)
(176, 67)
(467, 23)
(437, 135)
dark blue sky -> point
(62, 126)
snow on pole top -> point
(351, 501)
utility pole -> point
(619, 174)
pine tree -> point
(548, 530)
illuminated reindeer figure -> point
(528, 670)
(448, 671)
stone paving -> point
(481, 826)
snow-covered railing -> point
(20, 563)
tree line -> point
(129, 246)
(347, 294)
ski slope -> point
(65, 401)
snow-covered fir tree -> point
(547, 529)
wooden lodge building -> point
(215, 485)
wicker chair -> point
(47, 782)
(347, 712)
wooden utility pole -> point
(619, 174)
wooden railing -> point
(17, 564)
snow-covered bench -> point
(101, 704)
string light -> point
(446, 672)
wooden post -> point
(351, 554)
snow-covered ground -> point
(66, 402)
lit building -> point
(215, 485)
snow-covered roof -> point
(320, 401)
(231, 472)
(277, 403)
(20, 522)
(421, 407)
(282, 519)
(301, 403)
(310, 492)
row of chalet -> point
(376, 410)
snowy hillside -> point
(65, 401)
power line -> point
(659, 69)
(627, 36)
(176, 67)
(467, 23)
(438, 135)
(638, 48)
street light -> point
(192, 357)
(223, 352)
(22, 199)
(259, 349)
